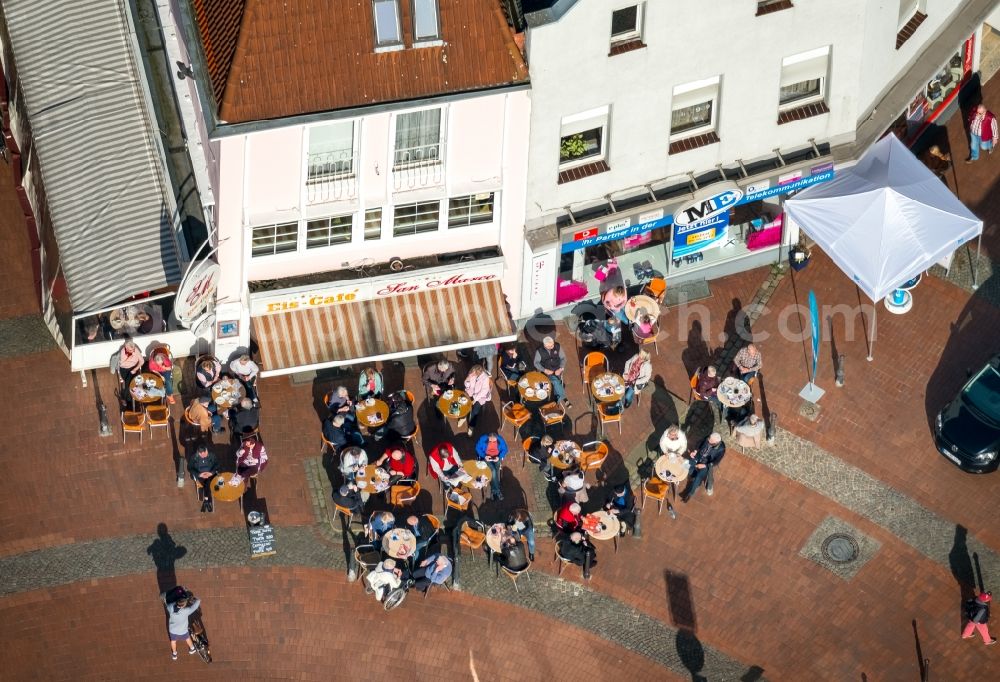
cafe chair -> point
(325, 446)
(514, 575)
(368, 558)
(412, 442)
(157, 416)
(528, 443)
(553, 414)
(562, 561)
(655, 489)
(641, 341)
(435, 523)
(594, 454)
(409, 396)
(591, 362)
(444, 585)
(404, 492)
(694, 396)
(656, 289)
(638, 389)
(473, 536)
(133, 422)
(516, 415)
(509, 383)
(605, 417)
(348, 514)
(454, 504)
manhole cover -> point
(840, 548)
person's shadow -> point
(961, 565)
(165, 552)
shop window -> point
(417, 218)
(373, 224)
(331, 152)
(583, 138)
(803, 79)
(329, 231)
(269, 240)
(387, 32)
(694, 112)
(475, 209)
(626, 24)
(425, 20)
(418, 139)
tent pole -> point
(871, 337)
(975, 270)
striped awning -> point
(384, 328)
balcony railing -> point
(331, 177)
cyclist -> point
(180, 604)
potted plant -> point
(798, 255)
(572, 147)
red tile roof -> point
(270, 59)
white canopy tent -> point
(884, 220)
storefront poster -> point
(700, 236)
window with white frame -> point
(626, 24)
(474, 209)
(907, 8)
(387, 30)
(583, 138)
(269, 240)
(694, 108)
(331, 151)
(425, 20)
(418, 138)
(324, 232)
(373, 224)
(803, 78)
(416, 218)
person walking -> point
(178, 612)
(983, 132)
(978, 612)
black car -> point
(967, 430)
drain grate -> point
(840, 548)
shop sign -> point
(620, 233)
(366, 290)
(792, 186)
(197, 291)
(701, 235)
(703, 209)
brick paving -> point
(18, 296)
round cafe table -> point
(529, 385)
(472, 467)
(494, 537)
(126, 319)
(225, 398)
(734, 392)
(224, 491)
(565, 453)
(374, 479)
(144, 392)
(372, 416)
(641, 303)
(399, 543)
(612, 526)
(607, 387)
(672, 469)
(454, 395)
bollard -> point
(102, 413)
(456, 534)
(352, 568)
(637, 526)
(772, 426)
(840, 369)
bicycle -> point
(196, 630)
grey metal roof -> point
(104, 182)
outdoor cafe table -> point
(455, 396)
(672, 468)
(399, 543)
(607, 387)
(494, 539)
(146, 387)
(611, 526)
(641, 303)
(224, 490)
(372, 416)
(565, 453)
(534, 387)
(126, 319)
(225, 397)
(734, 392)
(374, 479)
(475, 469)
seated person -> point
(492, 448)
(446, 465)
(520, 524)
(422, 529)
(380, 524)
(576, 549)
(568, 519)
(749, 433)
(644, 327)
(341, 432)
(621, 502)
(673, 441)
(707, 387)
(369, 384)
(247, 417)
(401, 463)
(251, 458)
(512, 554)
(349, 496)
(203, 467)
(339, 402)
(201, 412)
(353, 461)
(208, 372)
(384, 578)
(434, 570)
(540, 453)
(512, 364)
(160, 362)
(748, 362)
(439, 377)
(638, 371)
(573, 485)
(613, 326)
(401, 422)
(247, 371)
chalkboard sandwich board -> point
(261, 541)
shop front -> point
(348, 322)
(940, 93)
(723, 228)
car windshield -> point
(983, 393)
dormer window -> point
(426, 26)
(388, 35)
